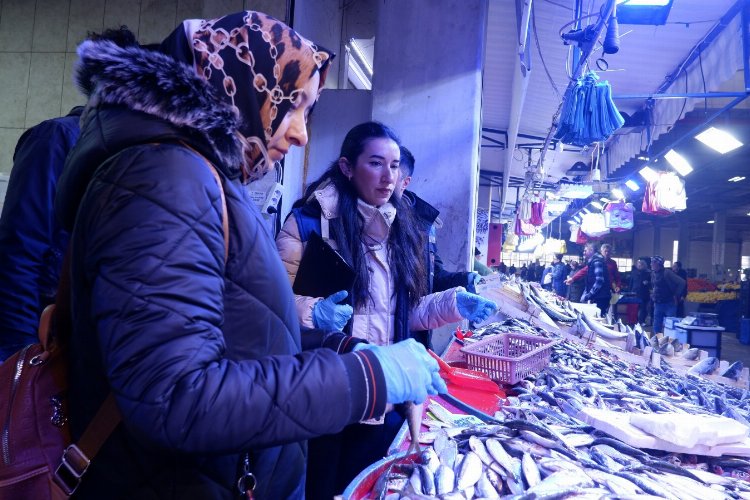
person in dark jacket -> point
(181, 307)
(559, 273)
(679, 271)
(640, 284)
(32, 243)
(597, 289)
(666, 292)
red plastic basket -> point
(509, 357)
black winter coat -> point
(202, 355)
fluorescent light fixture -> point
(585, 211)
(604, 200)
(748, 213)
(737, 178)
(632, 185)
(654, 3)
(648, 173)
(679, 163)
(577, 218)
(571, 221)
(716, 139)
(709, 222)
(597, 205)
(618, 194)
(361, 56)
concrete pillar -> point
(683, 239)
(718, 246)
(428, 87)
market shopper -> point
(479, 266)
(667, 291)
(356, 207)
(559, 273)
(679, 271)
(32, 242)
(640, 285)
(575, 288)
(597, 289)
(180, 305)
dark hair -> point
(121, 36)
(407, 161)
(559, 256)
(593, 245)
(405, 239)
(477, 253)
(678, 264)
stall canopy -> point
(670, 81)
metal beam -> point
(520, 83)
(685, 95)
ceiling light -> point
(737, 178)
(709, 222)
(604, 200)
(632, 185)
(678, 162)
(597, 205)
(721, 141)
(585, 211)
(748, 213)
(648, 173)
(571, 221)
(618, 194)
(656, 3)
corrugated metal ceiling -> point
(647, 55)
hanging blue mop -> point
(588, 114)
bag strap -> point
(224, 211)
(76, 458)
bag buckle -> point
(73, 466)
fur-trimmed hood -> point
(156, 84)
(137, 97)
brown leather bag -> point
(38, 460)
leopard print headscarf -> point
(259, 65)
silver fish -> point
(691, 354)
(414, 418)
(496, 450)
(616, 484)
(485, 488)
(705, 367)
(558, 481)
(477, 446)
(441, 439)
(530, 470)
(667, 349)
(428, 480)
(470, 471)
(445, 479)
(734, 371)
(448, 454)
(430, 459)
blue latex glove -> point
(410, 372)
(473, 307)
(471, 281)
(329, 315)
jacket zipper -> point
(14, 387)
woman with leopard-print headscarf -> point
(180, 304)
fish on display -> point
(705, 367)
(691, 354)
(734, 371)
(414, 419)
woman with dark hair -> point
(181, 310)
(357, 209)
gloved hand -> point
(410, 372)
(474, 307)
(330, 315)
(472, 279)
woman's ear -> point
(345, 167)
